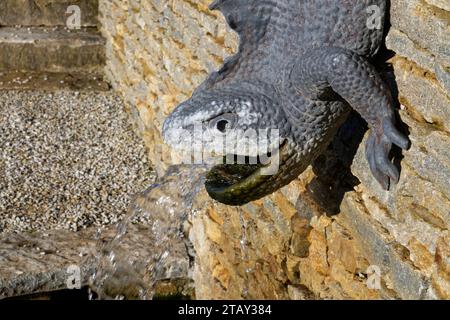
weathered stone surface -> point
(45, 12)
(382, 250)
(402, 45)
(33, 263)
(443, 4)
(427, 26)
(51, 50)
(441, 275)
(287, 246)
(443, 76)
(423, 97)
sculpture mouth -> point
(237, 184)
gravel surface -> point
(68, 160)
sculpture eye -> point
(223, 123)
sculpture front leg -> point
(355, 80)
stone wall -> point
(325, 234)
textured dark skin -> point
(303, 64)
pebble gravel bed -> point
(68, 160)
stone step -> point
(48, 81)
(55, 50)
(46, 12)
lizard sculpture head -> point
(248, 132)
(299, 70)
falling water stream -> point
(128, 266)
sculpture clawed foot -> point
(378, 147)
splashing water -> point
(150, 243)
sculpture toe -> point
(371, 156)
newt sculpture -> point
(301, 66)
